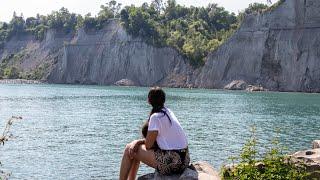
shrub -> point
(275, 5)
(36, 74)
(5, 136)
(273, 164)
(11, 72)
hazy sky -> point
(44, 7)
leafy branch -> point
(5, 136)
(6, 132)
(273, 164)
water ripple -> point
(79, 132)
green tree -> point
(157, 5)
(193, 31)
(62, 19)
(89, 22)
(17, 25)
(170, 10)
(115, 8)
(39, 31)
(11, 73)
(31, 22)
(256, 8)
(105, 13)
(4, 26)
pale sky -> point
(44, 7)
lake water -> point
(79, 132)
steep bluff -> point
(279, 50)
(109, 55)
(98, 57)
(31, 55)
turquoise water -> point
(79, 132)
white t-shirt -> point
(170, 135)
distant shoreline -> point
(20, 81)
(25, 81)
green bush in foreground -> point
(4, 137)
(273, 165)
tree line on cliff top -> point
(193, 31)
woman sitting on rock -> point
(165, 145)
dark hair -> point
(156, 98)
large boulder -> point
(236, 85)
(197, 170)
(125, 82)
(311, 160)
(252, 88)
(316, 144)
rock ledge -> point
(310, 158)
(124, 82)
(197, 170)
(19, 81)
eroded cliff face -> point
(29, 54)
(279, 50)
(109, 55)
(98, 57)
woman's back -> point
(171, 135)
(171, 156)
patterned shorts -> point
(172, 161)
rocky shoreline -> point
(20, 81)
(236, 85)
(204, 171)
(310, 158)
(197, 170)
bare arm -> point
(149, 142)
(151, 139)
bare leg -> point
(146, 156)
(143, 155)
(134, 170)
(126, 164)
